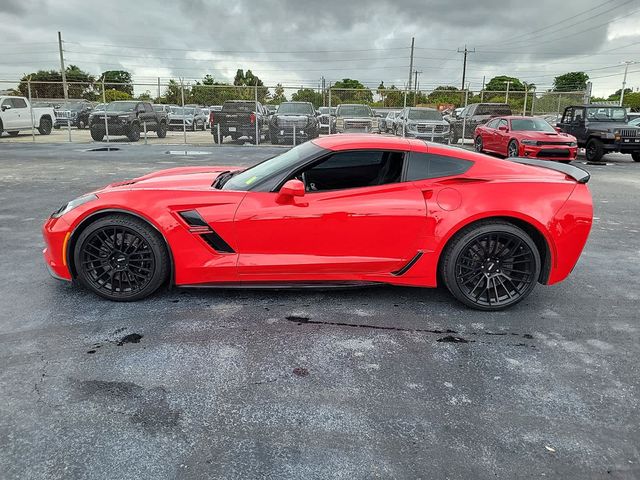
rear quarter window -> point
(429, 165)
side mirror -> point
(291, 188)
(6, 107)
(503, 128)
(557, 129)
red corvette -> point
(527, 137)
(338, 210)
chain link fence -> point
(191, 112)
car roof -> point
(349, 141)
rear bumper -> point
(569, 230)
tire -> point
(97, 133)
(454, 137)
(133, 132)
(162, 130)
(14, 133)
(274, 139)
(214, 134)
(635, 156)
(478, 265)
(513, 149)
(594, 150)
(478, 144)
(121, 258)
(81, 125)
(45, 126)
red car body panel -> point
(497, 141)
(360, 234)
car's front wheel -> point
(133, 132)
(97, 133)
(121, 258)
(635, 156)
(162, 130)
(513, 150)
(594, 150)
(491, 265)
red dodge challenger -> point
(527, 137)
(339, 210)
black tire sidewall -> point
(599, 150)
(459, 243)
(478, 144)
(45, 126)
(97, 133)
(512, 142)
(133, 132)
(162, 130)
(153, 239)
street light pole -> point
(624, 79)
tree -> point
(446, 94)
(616, 95)
(570, 82)
(145, 96)
(48, 84)
(348, 90)
(499, 84)
(248, 79)
(278, 95)
(632, 100)
(111, 95)
(121, 80)
(308, 95)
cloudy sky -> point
(296, 42)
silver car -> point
(423, 123)
(356, 118)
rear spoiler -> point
(578, 174)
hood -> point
(545, 136)
(182, 178)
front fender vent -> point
(198, 226)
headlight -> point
(73, 204)
(529, 142)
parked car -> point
(473, 115)
(387, 124)
(423, 123)
(525, 137)
(215, 108)
(75, 114)
(17, 114)
(189, 118)
(238, 118)
(298, 117)
(335, 210)
(206, 111)
(163, 108)
(601, 129)
(327, 119)
(355, 118)
(128, 118)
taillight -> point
(252, 117)
(211, 118)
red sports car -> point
(339, 210)
(527, 137)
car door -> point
(357, 217)
(10, 115)
(501, 137)
(487, 132)
(149, 115)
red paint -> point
(357, 234)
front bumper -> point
(549, 152)
(431, 137)
(625, 145)
(56, 233)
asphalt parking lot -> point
(346, 384)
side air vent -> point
(198, 226)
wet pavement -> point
(382, 382)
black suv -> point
(298, 117)
(74, 114)
(128, 118)
(601, 129)
(473, 115)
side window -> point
(353, 169)
(502, 123)
(18, 103)
(7, 102)
(148, 108)
(568, 115)
(578, 114)
(423, 166)
(493, 123)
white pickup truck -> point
(15, 115)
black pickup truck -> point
(238, 118)
(601, 129)
(128, 118)
(473, 115)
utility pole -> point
(624, 79)
(158, 88)
(324, 104)
(62, 70)
(506, 100)
(411, 63)
(415, 88)
(464, 63)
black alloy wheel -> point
(492, 266)
(478, 144)
(121, 258)
(512, 149)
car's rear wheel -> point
(635, 156)
(478, 144)
(121, 258)
(491, 265)
(513, 150)
(594, 151)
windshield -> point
(531, 125)
(121, 106)
(607, 114)
(71, 106)
(297, 108)
(182, 111)
(425, 114)
(354, 111)
(327, 110)
(159, 108)
(635, 122)
(245, 180)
